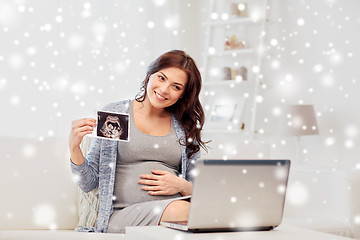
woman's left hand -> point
(163, 183)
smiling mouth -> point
(160, 96)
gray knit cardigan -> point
(98, 170)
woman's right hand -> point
(80, 128)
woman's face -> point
(166, 86)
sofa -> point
(40, 198)
(325, 200)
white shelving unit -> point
(231, 21)
(221, 93)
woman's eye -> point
(161, 77)
(177, 87)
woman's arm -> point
(186, 187)
(165, 183)
(79, 129)
(85, 173)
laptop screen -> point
(238, 193)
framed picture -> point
(225, 114)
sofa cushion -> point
(323, 225)
(88, 203)
(56, 235)
(319, 200)
(318, 194)
(37, 184)
(88, 206)
(354, 179)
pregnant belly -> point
(127, 189)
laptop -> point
(236, 195)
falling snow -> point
(60, 62)
(45, 215)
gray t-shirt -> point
(140, 155)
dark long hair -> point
(188, 109)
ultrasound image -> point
(113, 126)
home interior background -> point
(61, 61)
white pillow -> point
(88, 203)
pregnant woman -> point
(148, 179)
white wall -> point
(322, 57)
(62, 60)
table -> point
(285, 232)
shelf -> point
(227, 131)
(237, 51)
(232, 52)
(227, 32)
(244, 20)
(229, 83)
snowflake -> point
(274, 42)
(29, 151)
(44, 215)
(3, 82)
(46, 28)
(349, 144)
(280, 173)
(86, 11)
(297, 194)
(300, 22)
(159, 3)
(259, 99)
(59, 19)
(214, 16)
(211, 50)
(351, 131)
(79, 88)
(52, 226)
(171, 22)
(157, 210)
(10, 215)
(224, 16)
(7, 13)
(255, 69)
(75, 41)
(76, 178)
(150, 24)
(281, 189)
(275, 64)
(195, 172)
(357, 219)
(15, 100)
(16, 61)
(178, 237)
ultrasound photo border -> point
(117, 114)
